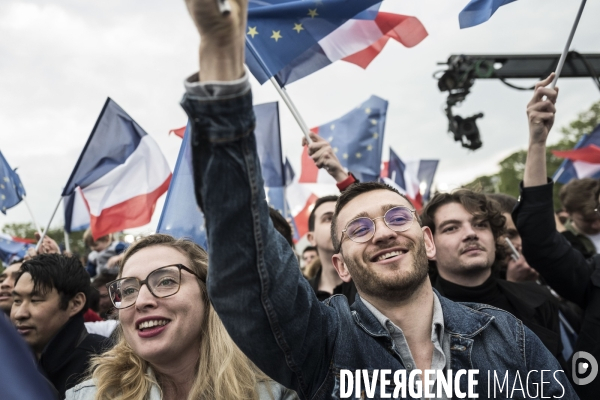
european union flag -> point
(11, 188)
(479, 11)
(281, 30)
(357, 138)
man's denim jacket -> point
(272, 313)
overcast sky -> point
(59, 61)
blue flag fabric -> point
(11, 188)
(268, 143)
(11, 249)
(427, 169)
(357, 138)
(567, 170)
(279, 31)
(396, 168)
(181, 217)
(479, 11)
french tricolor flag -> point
(358, 41)
(120, 173)
(581, 162)
(412, 177)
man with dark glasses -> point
(397, 323)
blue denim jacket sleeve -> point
(546, 373)
(254, 281)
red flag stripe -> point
(179, 132)
(589, 154)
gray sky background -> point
(59, 61)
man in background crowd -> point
(579, 199)
(467, 228)
(49, 299)
(308, 255)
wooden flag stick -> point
(563, 56)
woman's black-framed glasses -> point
(361, 230)
(162, 282)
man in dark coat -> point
(49, 301)
(565, 269)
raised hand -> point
(324, 157)
(541, 110)
(221, 38)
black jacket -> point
(565, 269)
(65, 359)
(346, 288)
(537, 311)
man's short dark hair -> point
(309, 248)
(507, 203)
(321, 200)
(65, 274)
(281, 225)
(477, 204)
(354, 191)
(580, 195)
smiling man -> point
(49, 299)
(7, 283)
(467, 227)
(397, 321)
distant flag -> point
(425, 174)
(13, 248)
(357, 140)
(404, 177)
(358, 41)
(181, 217)
(289, 172)
(479, 11)
(11, 188)
(77, 216)
(268, 143)
(278, 31)
(581, 162)
(121, 173)
(179, 132)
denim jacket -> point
(270, 310)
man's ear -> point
(429, 243)
(341, 268)
(76, 304)
(310, 236)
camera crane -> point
(463, 70)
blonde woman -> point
(171, 345)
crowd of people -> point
(473, 281)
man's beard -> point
(398, 288)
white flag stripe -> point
(144, 171)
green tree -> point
(27, 231)
(507, 179)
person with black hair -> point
(49, 300)
(321, 273)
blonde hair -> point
(223, 371)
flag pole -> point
(35, 224)
(67, 242)
(43, 234)
(284, 95)
(563, 56)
